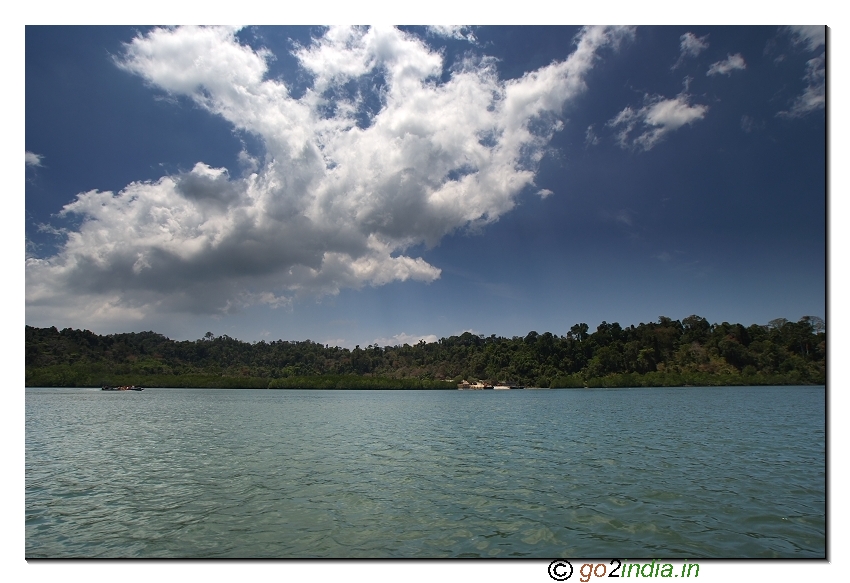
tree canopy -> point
(667, 352)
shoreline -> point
(368, 388)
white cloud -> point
(452, 31)
(33, 159)
(652, 122)
(590, 137)
(814, 95)
(732, 63)
(749, 124)
(690, 46)
(813, 36)
(403, 338)
(330, 203)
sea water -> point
(201, 473)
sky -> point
(383, 185)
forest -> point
(690, 352)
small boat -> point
(506, 386)
(121, 388)
(467, 386)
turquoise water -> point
(681, 472)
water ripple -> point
(721, 472)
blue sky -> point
(354, 186)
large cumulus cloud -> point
(342, 190)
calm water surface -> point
(685, 472)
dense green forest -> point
(664, 353)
